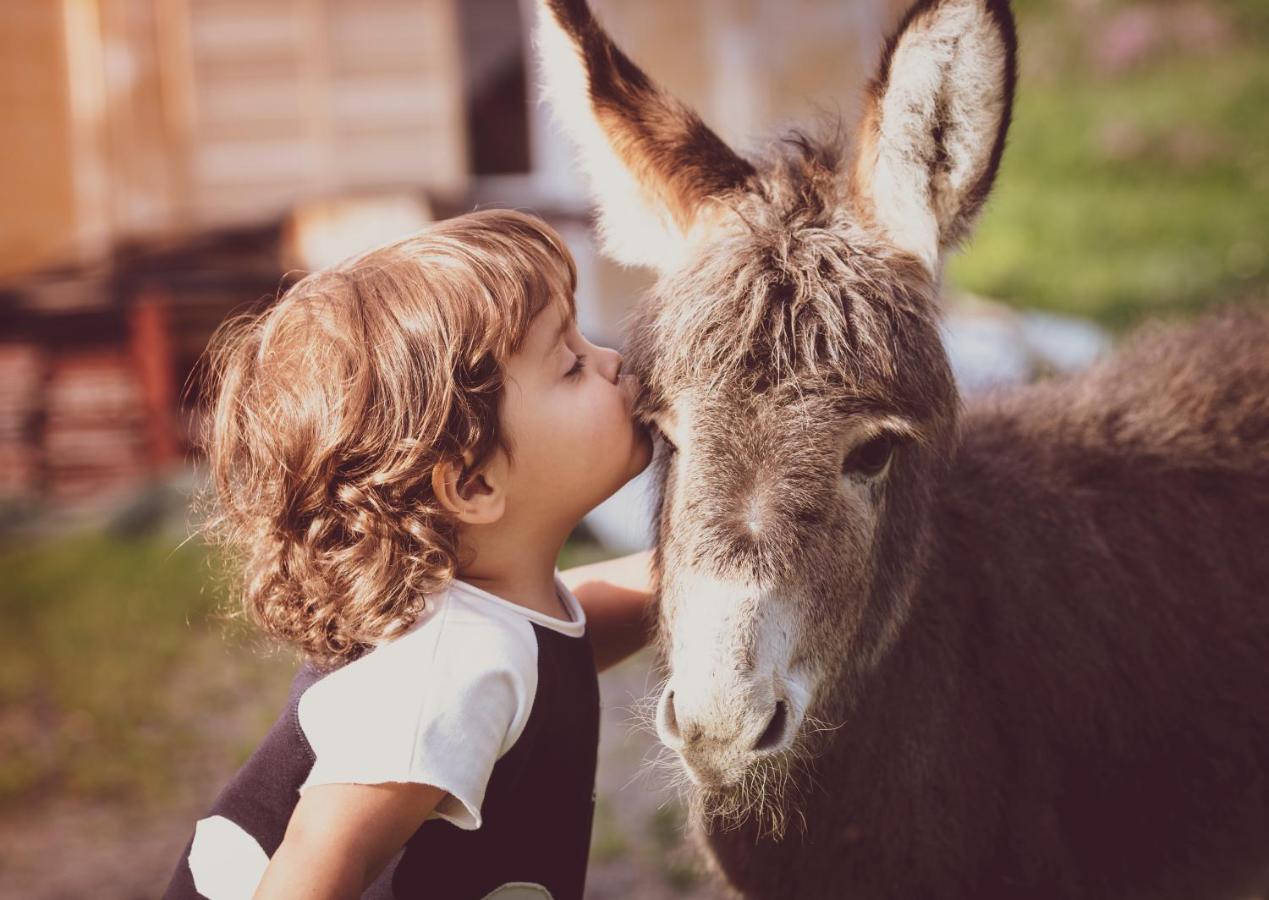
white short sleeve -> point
(438, 705)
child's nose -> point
(611, 364)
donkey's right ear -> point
(935, 122)
(653, 165)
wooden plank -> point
(178, 101)
(151, 347)
(262, 29)
(86, 93)
(288, 98)
(21, 377)
(35, 156)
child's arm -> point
(342, 835)
(616, 595)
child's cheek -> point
(606, 426)
(590, 424)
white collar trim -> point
(573, 627)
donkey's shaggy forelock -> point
(787, 291)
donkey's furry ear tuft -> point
(935, 122)
(652, 163)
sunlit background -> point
(166, 162)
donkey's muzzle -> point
(719, 737)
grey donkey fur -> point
(1030, 632)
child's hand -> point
(342, 835)
(617, 597)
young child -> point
(400, 447)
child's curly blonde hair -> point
(332, 407)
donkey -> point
(1012, 648)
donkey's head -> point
(790, 357)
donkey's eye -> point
(660, 435)
(870, 457)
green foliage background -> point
(1130, 193)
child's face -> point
(567, 411)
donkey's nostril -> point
(669, 723)
(773, 735)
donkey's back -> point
(1110, 529)
(1193, 397)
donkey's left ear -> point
(654, 167)
(935, 121)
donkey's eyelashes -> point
(660, 435)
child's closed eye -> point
(578, 365)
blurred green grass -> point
(1133, 193)
(114, 666)
(95, 626)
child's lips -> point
(629, 388)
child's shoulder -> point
(438, 704)
(453, 642)
(470, 655)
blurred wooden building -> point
(135, 118)
(156, 153)
(168, 161)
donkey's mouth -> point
(706, 776)
(760, 795)
(723, 769)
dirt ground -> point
(63, 846)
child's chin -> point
(642, 451)
(640, 456)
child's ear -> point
(475, 497)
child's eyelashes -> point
(578, 365)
